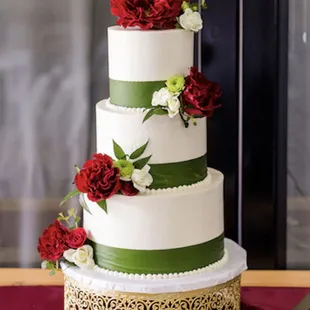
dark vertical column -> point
(264, 224)
(282, 134)
(220, 64)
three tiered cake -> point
(153, 227)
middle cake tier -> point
(160, 232)
(178, 154)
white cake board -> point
(98, 281)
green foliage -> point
(154, 111)
(118, 151)
(139, 164)
(69, 196)
(139, 152)
(103, 205)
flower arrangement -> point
(158, 14)
(102, 177)
(191, 97)
(59, 243)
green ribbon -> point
(159, 261)
(133, 94)
(178, 174)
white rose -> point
(82, 257)
(161, 97)
(191, 20)
(173, 106)
(141, 178)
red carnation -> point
(52, 244)
(98, 178)
(200, 95)
(128, 189)
(76, 238)
(147, 14)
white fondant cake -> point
(153, 211)
(167, 220)
(137, 55)
(186, 217)
(169, 142)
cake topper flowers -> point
(102, 177)
(158, 14)
(192, 97)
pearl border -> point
(158, 191)
(132, 276)
(119, 108)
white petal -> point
(172, 114)
(140, 188)
(87, 248)
(146, 168)
(68, 255)
(148, 180)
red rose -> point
(200, 95)
(98, 178)
(52, 244)
(147, 14)
(128, 189)
(76, 238)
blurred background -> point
(53, 70)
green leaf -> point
(148, 115)
(77, 169)
(118, 151)
(77, 219)
(69, 196)
(103, 205)
(50, 265)
(84, 204)
(156, 111)
(52, 273)
(160, 111)
(139, 164)
(139, 152)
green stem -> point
(181, 113)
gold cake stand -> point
(217, 289)
(220, 297)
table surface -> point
(250, 278)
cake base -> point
(217, 289)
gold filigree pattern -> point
(221, 297)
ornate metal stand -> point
(221, 297)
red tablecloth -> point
(51, 298)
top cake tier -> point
(140, 62)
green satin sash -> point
(178, 174)
(133, 94)
(159, 261)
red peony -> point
(147, 14)
(98, 178)
(52, 244)
(128, 189)
(200, 95)
(76, 238)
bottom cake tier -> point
(214, 289)
(171, 231)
